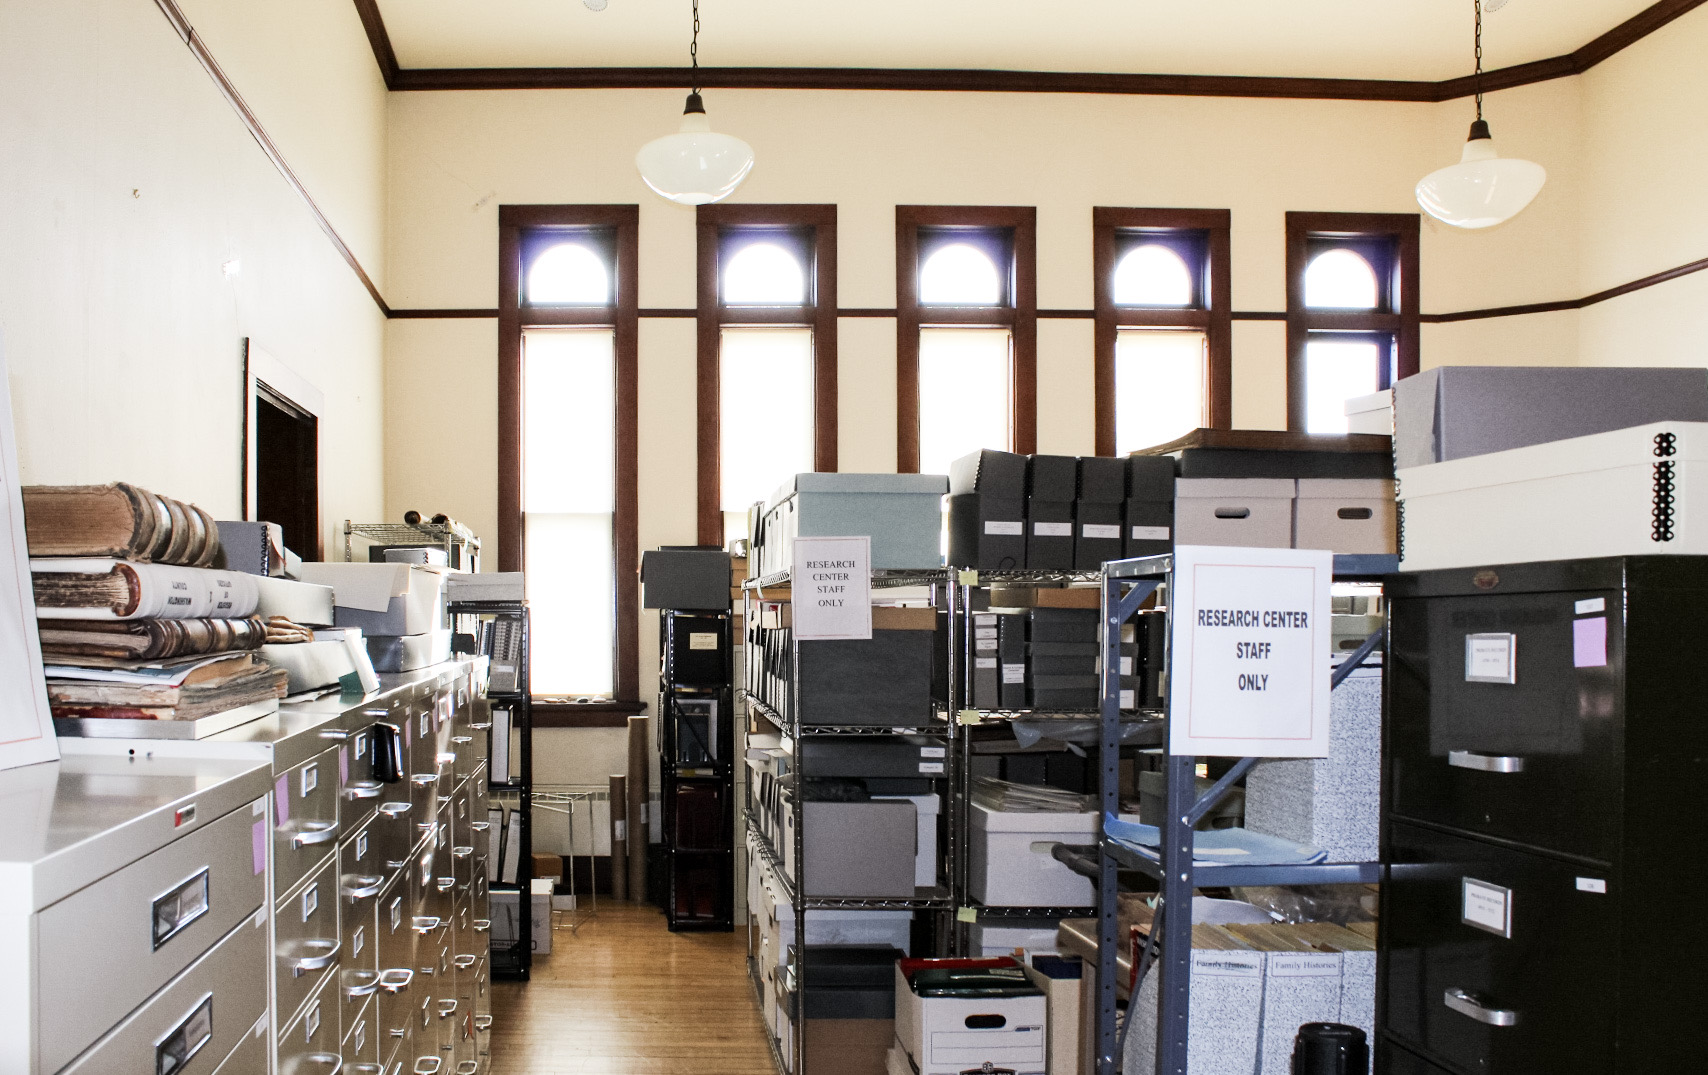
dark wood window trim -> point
(623, 316)
(1399, 231)
(1021, 318)
(1215, 317)
(818, 221)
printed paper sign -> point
(26, 723)
(832, 584)
(1487, 907)
(1250, 635)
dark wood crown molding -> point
(1575, 62)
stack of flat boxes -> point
(399, 608)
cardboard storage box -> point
(310, 665)
(485, 586)
(895, 757)
(685, 577)
(926, 808)
(1252, 512)
(940, 1033)
(1455, 412)
(901, 513)
(1060, 979)
(1345, 515)
(405, 653)
(857, 850)
(987, 532)
(1031, 935)
(1010, 864)
(1102, 480)
(303, 603)
(1611, 494)
(1373, 413)
(383, 599)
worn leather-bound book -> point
(118, 519)
(98, 588)
(236, 681)
(149, 640)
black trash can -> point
(1330, 1049)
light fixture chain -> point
(1479, 76)
(694, 49)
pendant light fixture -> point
(696, 165)
(1483, 189)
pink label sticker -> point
(1589, 642)
(282, 799)
(408, 733)
(258, 845)
(343, 765)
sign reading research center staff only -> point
(1250, 638)
(832, 588)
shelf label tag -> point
(832, 584)
(1249, 628)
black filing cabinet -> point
(696, 699)
(1545, 788)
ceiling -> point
(1386, 39)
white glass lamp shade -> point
(696, 165)
(1483, 189)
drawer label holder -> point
(174, 911)
(176, 1050)
(1486, 907)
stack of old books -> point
(134, 624)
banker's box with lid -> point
(901, 513)
(961, 1015)
(1011, 864)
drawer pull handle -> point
(334, 1059)
(425, 924)
(468, 1067)
(337, 735)
(363, 886)
(396, 980)
(480, 826)
(461, 739)
(1465, 1004)
(394, 810)
(323, 832)
(307, 964)
(364, 789)
(447, 1007)
(481, 925)
(481, 727)
(483, 1022)
(444, 883)
(436, 1063)
(446, 758)
(461, 852)
(367, 1069)
(1485, 763)
(465, 961)
(422, 780)
(360, 983)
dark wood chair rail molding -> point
(1634, 29)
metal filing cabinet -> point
(372, 820)
(1547, 771)
(134, 920)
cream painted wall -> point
(128, 181)
(1646, 153)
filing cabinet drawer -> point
(426, 775)
(194, 1023)
(483, 1009)
(1536, 760)
(306, 939)
(462, 843)
(305, 832)
(250, 1056)
(359, 787)
(138, 927)
(359, 883)
(397, 941)
(1490, 956)
(310, 1044)
(361, 1042)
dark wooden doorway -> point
(287, 471)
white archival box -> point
(1249, 628)
(26, 724)
(1623, 493)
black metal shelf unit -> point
(501, 632)
(696, 702)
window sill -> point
(612, 714)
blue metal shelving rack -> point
(1127, 584)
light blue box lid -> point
(927, 484)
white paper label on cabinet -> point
(1597, 885)
(1126, 666)
(1106, 531)
(702, 640)
(1249, 627)
(1218, 964)
(984, 662)
(1491, 658)
(310, 779)
(1005, 528)
(933, 752)
(1014, 673)
(1052, 529)
(1590, 604)
(1128, 699)
(832, 588)
(1150, 533)
(931, 767)
(1487, 907)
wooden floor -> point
(624, 996)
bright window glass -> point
(960, 274)
(767, 416)
(1336, 371)
(963, 394)
(1152, 275)
(764, 274)
(1341, 280)
(568, 504)
(1159, 387)
(569, 273)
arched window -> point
(1152, 275)
(1341, 279)
(960, 274)
(569, 274)
(764, 274)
